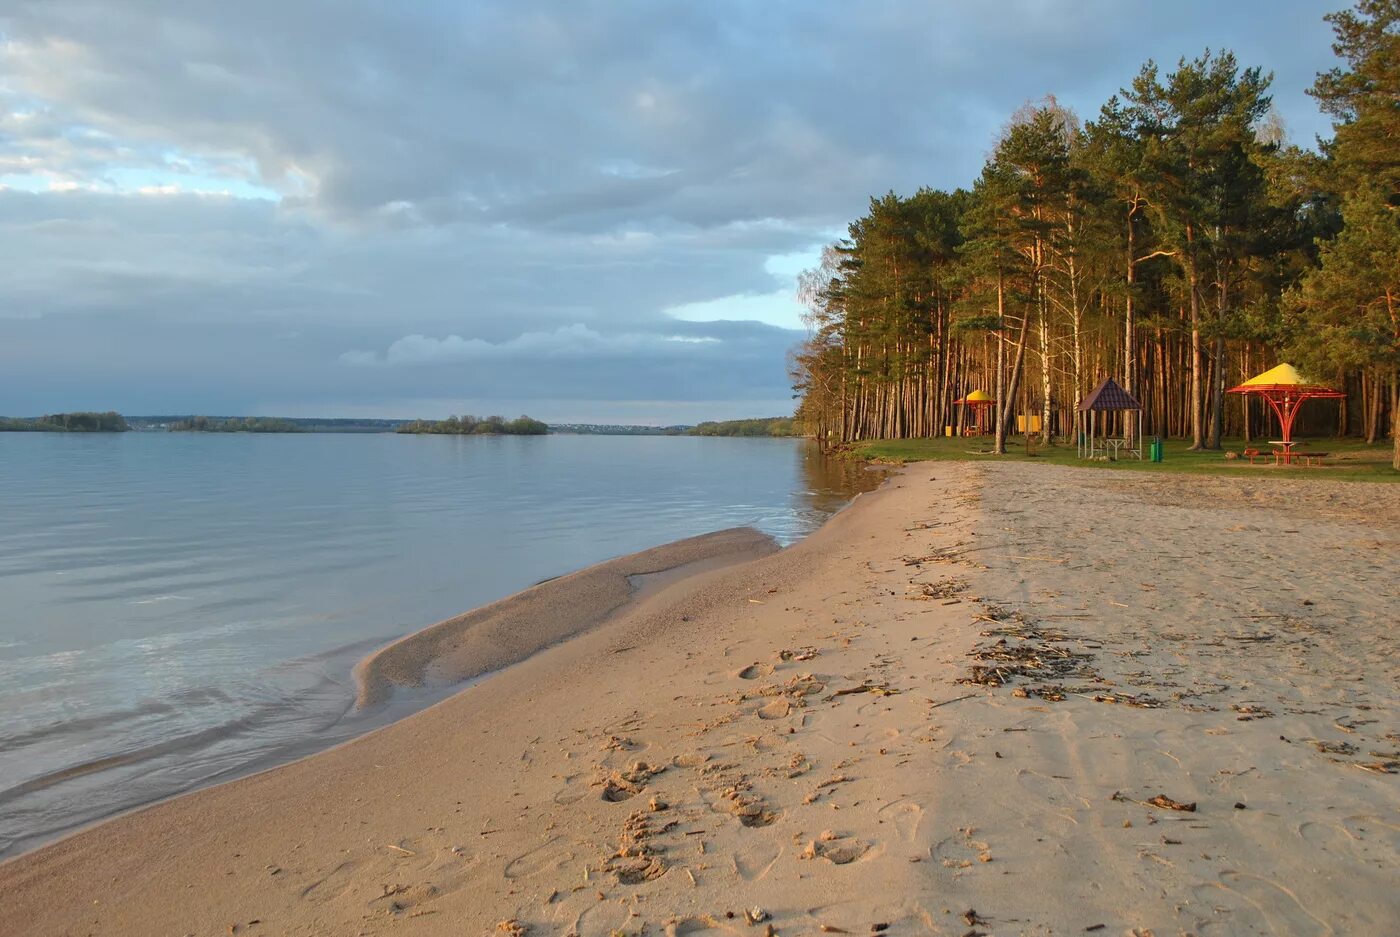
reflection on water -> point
(181, 608)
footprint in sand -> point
(1052, 791)
(616, 790)
(398, 899)
(855, 917)
(753, 865)
(1328, 837)
(545, 857)
(751, 809)
(778, 709)
(599, 917)
(698, 925)
(1363, 838)
(838, 850)
(755, 670)
(1156, 761)
(1263, 904)
(572, 791)
(332, 885)
(395, 879)
(690, 760)
(905, 815)
(960, 852)
(1378, 834)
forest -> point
(234, 424)
(762, 426)
(77, 422)
(1174, 242)
(471, 426)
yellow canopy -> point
(976, 396)
(1284, 375)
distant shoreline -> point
(759, 427)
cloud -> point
(570, 341)
(543, 192)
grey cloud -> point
(474, 173)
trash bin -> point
(1156, 449)
(947, 430)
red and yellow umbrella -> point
(1286, 390)
(979, 402)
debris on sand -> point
(512, 928)
(1136, 700)
(1249, 712)
(1166, 803)
(1161, 801)
(618, 743)
(944, 589)
(1334, 748)
(756, 915)
(1002, 661)
(879, 689)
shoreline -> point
(978, 688)
(406, 672)
(491, 637)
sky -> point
(586, 210)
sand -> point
(979, 701)
(509, 630)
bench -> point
(1313, 458)
(1251, 455)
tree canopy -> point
(1174, 242)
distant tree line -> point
(246, 424)
(618, 429)
(1174, 242)
(82, 422)
(305, 424)
(769, 426)
(472, 426)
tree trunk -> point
(1014, 385)
(1395, 420)
(1217, 394)
(1129, 342)
(1045, 370)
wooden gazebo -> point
(1105, 398)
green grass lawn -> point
(1350, 459)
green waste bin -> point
(1156, 449)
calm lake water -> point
(177, 609)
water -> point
(177, 609)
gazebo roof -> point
(1109, 396)
(1284, 378)
(976, 396)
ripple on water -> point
(181, 608)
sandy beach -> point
(986, 699)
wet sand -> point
(507, 631)
(993, 699)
